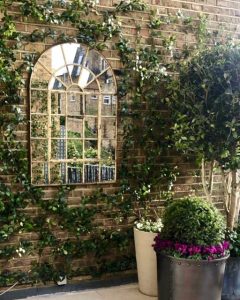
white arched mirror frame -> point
(73, 117)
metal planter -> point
(231, 282)
(186, 279)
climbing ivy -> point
(23, 208)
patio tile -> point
(128, 292)
(86, 295)
(122, 292)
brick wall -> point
(224, 12)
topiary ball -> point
(192, 220)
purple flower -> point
(190, 251)
(182, 248)
(193, 250)
(226, 245)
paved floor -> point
(122, 292)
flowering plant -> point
(192, 228)
(182, 250)
(147, 224)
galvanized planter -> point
(231, 282)
(186, 279)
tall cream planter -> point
(146, 262)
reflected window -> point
(73, 117)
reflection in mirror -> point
(55, 84)
(75, 173)
(53, 59)
(109, 105)
(39, 150)
(107, 173)
(108, 151)
(58, 124)
(40, 173)
(95, 62)
(91, 127)
(58, 149)
(75, 127)
(91, 172)
(39, 126)
(108, 128)
(63, 75)
(57, 176)
(85, 78)
(92, 88)
(73, 53)
(107, 83)
(39, 101)
(75, 103)
(58, 103)
(40, 77)
(91, 149)
(91, 104)
(74, 149)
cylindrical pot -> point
(146, 262)
(231, 282)
(187, 279)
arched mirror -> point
(73, 117)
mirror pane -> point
(95, 62)
(108, 150)
(75, 172)
(39, 149)
(58, 126)
(74, 53)
(91, 104)
(91, 149)
(91, 172)
(63, 76)
(85, 78)
(58, 103)
(74, 127)
(92, 88)
(39, 101)
(74, 149)
(58, 149)
(40, 77)
(39, 125)
(55, 84)
(40, 173)
(52, 59)
(91, 127)
(75, 103)
(107, 83)
(109, 105)
(57, 173)
(108, 128)
(107, 172)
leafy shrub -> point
(193, 221)
(233, 236)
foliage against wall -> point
(145, 68)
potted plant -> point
(191, 251)
(231, 282)
(204, 101)
(145, 230)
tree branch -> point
(205, 188)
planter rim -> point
(192, 261)
(135, 228)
